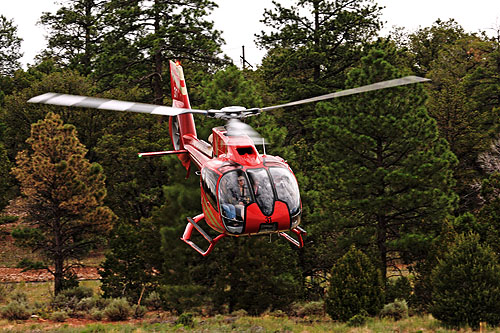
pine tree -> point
(384, 176)
(10, 45)
(63, 196)
(75, 33)
(355, 286)
(466, 285)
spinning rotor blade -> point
(236, 127)
(375, 86)
(110, 104)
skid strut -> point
(186, 237)
(299, 242)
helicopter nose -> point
(257, 222)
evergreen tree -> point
(466, 285)
(355, 286)
(384, 176)
(144, 35)
(63, 197)
(10, 47)
(313, 42)
(75, 33)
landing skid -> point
(299, 242)
(186, 237)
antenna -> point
(243, 59)
(264, 145)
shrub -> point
(466, 285)
(396, 310)
(96, 314)
(139, 311)
(6, 219)
(316, 308)
(16, 311)
(69, 299)
(185, 319)
(358, 319)
(19, 296)
(355, 285)
(59, 316)
(118, 309)
(399, 288)
(184, 298)
(153, 301)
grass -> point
(241, 324)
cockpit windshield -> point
(262, 189)
(238, 189)
(287, 188)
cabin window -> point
(287, 188)
(209, 183)
(234, 194)
(262, 190)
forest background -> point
(399, 174)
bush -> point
(184, 298)
(70, 299)
(358, 320)
(6, 219)
(139, 311)
(59, 316)
(466, 285)
(396, 310)
(153, 301)
(399, 288)
(118, 309)
(185, 319)
(16, 311)
(355, 285)
(316, 308)
(19, 297)
(96, 314)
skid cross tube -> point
(299, 242)
(186, 237)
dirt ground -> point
(39, 275)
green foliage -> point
(16, 310)
(10, 47)
(139, 311)
(314, 309)
(312, 43)
(74, 34)
(59, 316)
(63, 197)
(119, 309)
(185, 319)
(355, 285)
(466, 285)
(72, 299)
(153, 301)
(396, 310)
(399, 288)
(358, 320)
(381, 164)
(184, 298)
(6, 219)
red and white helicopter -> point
(243, 192)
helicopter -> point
(243, 192)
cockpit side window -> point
(262, 189)
(287, 188)
(209, 184)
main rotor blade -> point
(236, 127)
(375, 86)
(110, 104)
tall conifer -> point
(63, 196)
